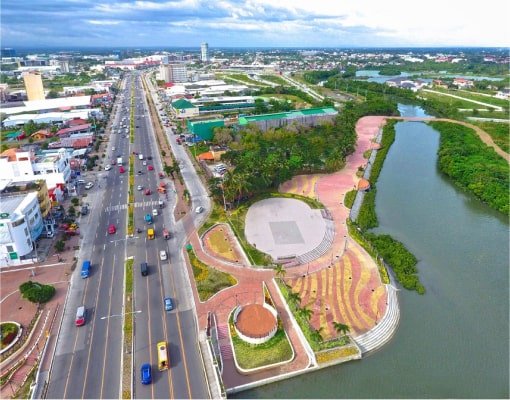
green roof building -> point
(184, 109)
(308, 116)
(204, 129)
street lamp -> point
(120, 315)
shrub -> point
(36, 292)
(349, 198)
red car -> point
(121, 169)
(150, 167)
(112, 229)
(147, 192)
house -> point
(75, 122)
(41, 134)
(462, 83)
(211, 155)
(503, 94)
(405, 83)
(73, 130)
(439, 83)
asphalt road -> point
(87, 361)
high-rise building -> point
(173, 73)
(204, 49)
(34, 85)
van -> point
(85, 269)
(80, 316)
(144, 269)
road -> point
(185, 378)
(87, 361)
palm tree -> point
(306, 313)
(316, 335)
(341, 328)
(280, 271)
(294, 297)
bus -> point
(162, 356)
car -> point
(144, 162)
(162, 255)
(149, 158)
(112, 229)
(121, 169)
(155, 212)
(147, 192)
(84, 210)
(146, 374)
(107, 167)
(150, 167)
(139, 187)
(113, 148)
(80, 316)
(89, 185)
(139, 172)
(169, 305)
(80, 182)
(199, 209)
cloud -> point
(301, 23)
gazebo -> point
(363, 185)
(255, 323)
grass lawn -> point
(498, 132)
(220, 244)
(476, 97)
(275, 79)
(249, 356)
(243, 78)
(456, 103)
(209, 281)
(298, 101)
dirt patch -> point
(219, 243)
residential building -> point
(503, 94)
(37, 186)
(34, 86)
(204, 52)
(184, 109)
(21, 224)
(462, 83)
(74, 130)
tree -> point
(316, 335)
(52, 94)
(306, 313)
(280, 271)
(222, 136)
(341, 328)
(294, 298)
(60, 245)
(36, 292)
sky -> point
(254, 23)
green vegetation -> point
(36, 292)
(209, 281)
(389, 70)
(392, 251)
(476, 97)
(299, 102)
(367, 217)
(128, 329)
(328, 356)
(349, 198)
(401, 260)
(8, 332)
(315, 77)
(498, 131)
(245, 79)
(473, 165)
(313, 337)
(249, 356)
(275, 79)
(287, 90)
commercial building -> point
(175, 73)
(184, 109)
(21, 223)
(59, 104)
(34, 86)
(204, 52)
(204, 129)
(37, 186)
(47, 118)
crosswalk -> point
(138, 204)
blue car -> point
(146, 374)
(169, 305)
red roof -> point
(81, 143)
(76, 122)
(72, 129)
(206, 156)
(168, 84)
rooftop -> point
(182, 104)
(288, 115)
(255, 321)
(9, 204)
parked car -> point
(107, 167)
(199, 209)
(112, 229)
(169, 305)
(84, 210)
(89, 185)
(146, 374)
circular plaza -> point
(285, 228)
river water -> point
(452, 342)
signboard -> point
(13, 255)
(4, 215)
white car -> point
(107, 167)
(199, 209)
(113, 148)
(140, 187)
(162, 255)
(155, 212)
(144, 163)
(89, 185)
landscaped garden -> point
(209, 281)
(249, 356)
(219, 242)
(8, 332)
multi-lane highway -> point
(87, 361)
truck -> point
(119, 160)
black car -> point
(149, 158)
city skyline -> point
(256, 23)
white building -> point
(51, 165)
(204, 52)
(21, 224)
(173, 73)
(49, 105)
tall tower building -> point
(204, 49)
(34, 85)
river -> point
(452, 342)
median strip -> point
(127, 360)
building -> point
(164, 73)
(204, 129)
(74, 130)
(51, 165)
(34, 86)
(37, 186)
(173, 73)
(47, 118)
(21, 223)
(462, 83)
(59, 104)
(184, 109)
(204, 52)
